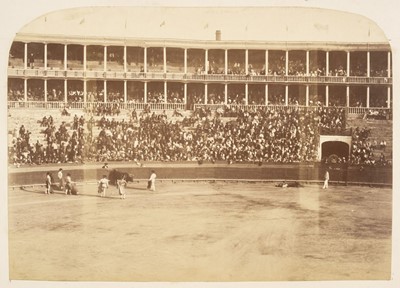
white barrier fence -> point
(128, 75)
(173, 106)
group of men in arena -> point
(118, 178)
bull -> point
(285, 184)
(117, 175)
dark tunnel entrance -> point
(335, 148)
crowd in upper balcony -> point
(379, 73)
(215, 98)
(196, 62)
(16, 92)
(216, 95)
(339, 71)
(358, 70)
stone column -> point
(348, 63)
(84, 57)
(145, 63)
(327, 64)
(206, 62)
(185, 61)
(25, 56)
(45, 56)
(65, 57)
(226, 62)
(125, 59)
(246, 60)
(287, 63)
(105, 58)
(165, 59)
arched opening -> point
(334, 149)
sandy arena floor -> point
(189, 231)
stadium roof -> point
(272, 24)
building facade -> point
(54, 70)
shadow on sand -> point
(111, 194)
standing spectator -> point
(60, 179)
(121, 184)
(383, 145)
(152, 180)
(68, 185)
(31, 60)
(103, 185)
(48, 183)
(326, 177)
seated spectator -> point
(276, 134)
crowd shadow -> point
(56, 191)
(135, 188)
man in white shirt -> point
(152, 180)
(103, 185)
(326, 180)
(60, 179)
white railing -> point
(214, 107)
(363, 110)
(350, 110)
(89, 106)
(93, 105)
(36, 104)
(122, 75)
(75, 74)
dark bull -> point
(117, 175)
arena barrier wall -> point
(191, 171)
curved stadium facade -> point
(218, 59)
(78, 67)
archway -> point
(338, 148)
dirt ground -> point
(188, 231)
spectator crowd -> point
(257, 135)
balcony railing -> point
(121, 75)
(237, 107)
(349, 110)
(90, 106)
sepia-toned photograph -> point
(199, 143)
